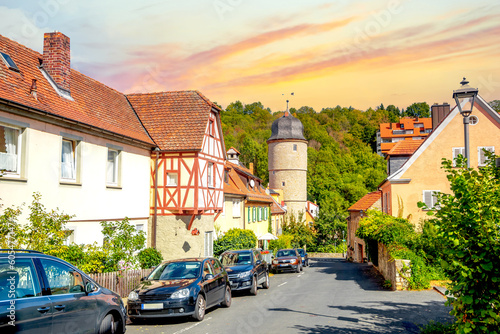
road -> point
(330, 296)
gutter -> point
(155, 214)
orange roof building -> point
(407, 129)
(400, 153)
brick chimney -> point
(438, 113)
(56, 58)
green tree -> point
(467, 224)
(495, 104)
(235, 238)
(296, 226)
(122, 240)
(330, 228)
(418, 109)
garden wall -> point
(391, 268)
(326, 255)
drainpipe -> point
(155, 215)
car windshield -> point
(236, 259)
(301, 252)
(176, 270)
(286, 252)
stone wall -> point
(391, 269)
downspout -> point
(155, 214)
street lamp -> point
(465, 92)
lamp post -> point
(465, 92)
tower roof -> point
(287, 127)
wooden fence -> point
(121, 282)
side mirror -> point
(209, 277)
(89, 287)
(258, 262)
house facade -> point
(421, 175)
(70, 138)
(186, 171)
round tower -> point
(287, 161)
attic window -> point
(9, 62)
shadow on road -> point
(364, 274)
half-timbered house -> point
(187, 170)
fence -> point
(121, 282)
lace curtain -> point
(68, 160)
(8, 151)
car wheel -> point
(265, 285)
(108, 325)
(199, 309)
(253, 289)
(227, 297)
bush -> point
(438, 328)
(283, 241)
(235, 238)
(149, 257)
(88, 258)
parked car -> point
(40, 293)
(305, 258)
(287, 259)
(180, 288)
(246, 269)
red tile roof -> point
(175, 120)
(408, 124)
(277, 209)
(256, 193)
(94, 103)
(366, 201)
(405, 147)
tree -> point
(295, 226)
(495, 104)
(235, 238)
(468, 228)
(418, 109)
(329, 227)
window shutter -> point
(428, 198)
(249, 219)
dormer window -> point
(9, 62)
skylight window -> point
(9, 62)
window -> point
(207, 269)
(172, 179)
(211, 128)
(283, 183)
(387, 205)
(210, 175)
(209, 243)
(236, 208)
(418, 125)
(395, 140)
(429, 198)
(226, 176)
(482, 158)
(456, 152)
(398, 132)
(417, 138)
(409, 132)
(428, 131)
(266, 213)
(25, 279)
(68, 160)
(295, 147)
(216, 266)
(9, 62)
(473, 120)
(62, 278)
(112, 167)
(10, 149)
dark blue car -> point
(246, 269)
(180, 288)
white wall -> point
(91, 201)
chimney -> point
(251, 167)
(438, 113)
(56, 58)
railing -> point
(121, 282)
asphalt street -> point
(330, 296)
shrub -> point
(149, 257)
(235, 238)
(438, 328)
(283, 241)
(88, 258)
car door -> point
(73, 310)
(23, 308)
(219, 278)
(258, 265)
(209, 285)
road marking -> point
(190, 327)
(282, 284)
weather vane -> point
(287, 100)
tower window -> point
(283, 183)
(295, 147)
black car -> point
(246, 269)
(43, 294)
(180, 288)
(305, 258)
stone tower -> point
(287, 161)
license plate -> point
(153, 306)
(284, 265)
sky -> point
(328, 53)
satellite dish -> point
(252, 183)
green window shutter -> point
(248, 215)
(254, 214)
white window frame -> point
(236, 208)
(19, 145)
(116, 168)
(74, 162)
(171, 180)
(480, 152)
(455, 152)
(433, 198)
(210, 177)
(472, 118)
